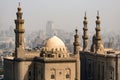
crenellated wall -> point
(32, 54)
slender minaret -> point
(99, 45)
(76, 43)
(76, 54)
(19, 31)
(85, 34)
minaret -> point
(19, 31)
(99, 46)
(85, 34)
(76, 43)
(76, 54)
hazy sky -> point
(65, 14)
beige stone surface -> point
(54, 43)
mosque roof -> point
(55, 43)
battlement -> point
(32, 53)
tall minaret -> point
(76, 54)
(99, 45)
(19, 31)
(76, 43)
(85, 34)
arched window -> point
(89, 70)
(29, 73)
(111, 72)
(59, 55)
(68, 73)
(52, 74)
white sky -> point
(66, 14)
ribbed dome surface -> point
(55, 43)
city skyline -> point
(65, 14)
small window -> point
(41, 76)
(60, 73)
(59, 56)
(67, 76)
(68, 73)
(111, 77)
(29, 73)
(52, 76)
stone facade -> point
(52, 62)
(100, 66)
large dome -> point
(56, 44)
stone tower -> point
(19, 33)
(76, 43)
(99, 45)
(76, 54)
(85, 34)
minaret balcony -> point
(98, 38)
(76, 44)
(97, 28)
(19, 31)
(85, 37)
(19, 13)
(19, 21)
(85, 28)
(85, 22)
(76, 36)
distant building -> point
(6, 43)
(49, 29)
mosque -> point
(54, 62)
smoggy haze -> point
(65, 14)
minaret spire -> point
(99, 45)
(19, 31)
(76, 53)
(98, 37)
(76, 42)
(85, 14)
(85, 34)
(97, 13)
(19, 4)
